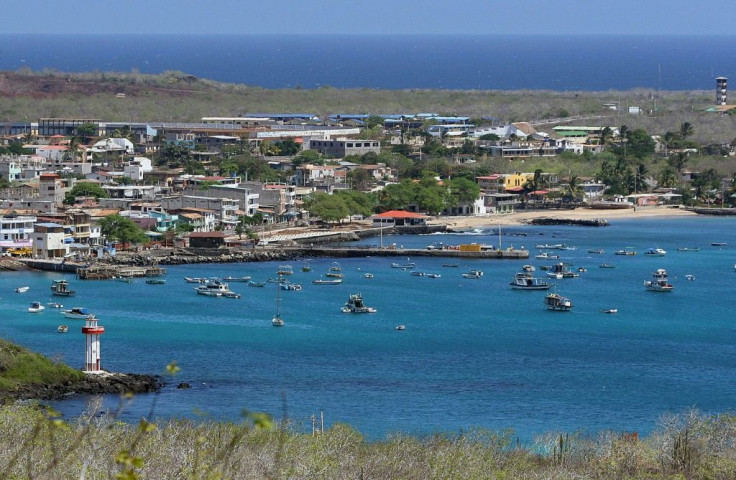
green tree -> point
(464, 190)
(686, 130)
(330, 208)
(706, 181)
(288, 147)
(122, 229)
(492, 137)
(174, 156)
(84, 189)
(312, 157)
(87, 131)
(668, 178)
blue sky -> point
(689, 17)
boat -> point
(557, 303)
(277, 320)
(22, 289)
(334, 281)
(597, 251)
(417, 274)
(285, 270)
(276, 280)
(688, 249)
(582, 269)
(659, 282)
(294, 287)
(36, 307)
(473, 274)
(655, 252)
(433, 275)
(606, 265)
(62, 328)
(55, 305)
(528, 268)
(60, 288)
(355, 305)
(124, 279)
(546, 246)
(450, 265)
(566, 247)
(335, 271)
(77, 313)
(561, 270)
(610, 310)
(244, 278)
(690, 277)
(231, 294)
(526, 281)
(367, 275)
(400, 327)
(628, 251)
(547, 256)
(404, 266)
(212, 288)
(718, 244)
(306, 267)
(195, 279)
(256, 284)
(155, 281)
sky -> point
(426, 17)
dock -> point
(347, 252)
(106, 272)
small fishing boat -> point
(405, 266)
(22, 289)
(231, 294)
(244, 278)
(433, 275)
(400, 327)
(473, 274)
(688, 249)
(561, 269)
(628, 251)
(306, 267)
(582, 269)
(718, 244)
(36, 307)
(610, 310)
(597, 251)
(547, 256)
(557, 303)
(62, 328)
(690, 277)
(54, 305)
(256, 284)
(195, 279)
(277, 320)
(77, 313)
(546, 246)
(334, 281)
(367, 275)
(450, 265)
(655, 252)
(285, 270)
(355, 305)
(124, 279)
(606, 265)
(417, 274)
(659, 282)
(294, 287)
(60, 288)
(155, 281)
(526, 281)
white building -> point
(48, 241)
(16, 231)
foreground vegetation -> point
(21, 368)
(36, 444)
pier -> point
(347, 252)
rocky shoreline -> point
(92, 384)
(581, 222)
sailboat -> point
(277, 321)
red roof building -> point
(399, 218)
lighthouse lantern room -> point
(92, 333)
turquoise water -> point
(474, 352)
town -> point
(82, 187)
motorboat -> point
(610, 310)
(22, 289)
(36, 307)
(60, 288)
(355, 305)
(690, 277)
(417, 274)
(433, 275)
(212, 288)
(688, 249)
(333, 281)
(62, 328)
(231, 294)
(659, 282)
(404, 266)
(557, 303)
(195, 279)
(155, 281)
(561, 269)
(55, 305)
(473, 274)
(528, 268)
(526, 281)
(547, 256)
(655, 252)
(335, 271)
(124, 279)
(566, 247)
(367, 275)
(256, 284)
(597, 251)
(285, 270)
(582, 269)
(400, 327)
(77, 313)
(244, 278)
(625, 252)
(606, 265)
(546, 246)
(293, 287)
(306, 267)
(450, 265)
(718, 244)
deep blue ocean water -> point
(567, 63)
(474, 352)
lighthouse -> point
(92, 333)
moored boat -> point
(404, 266)
(22, 289)
(36, 307)
(294, 287)
(77, 313)
(659, 282)
(213, 288)
(195, 279)
(244, 278)
(473, 274)
(256, 284)
(526, 281)
(355, 304)
(155, 281)
(285, 270)
(547, 256)
(367, 275)
(62, 328)
(597, 251)
(561, 270)
(60, 288)
(55, 305)
(433, 275)
(557, 303)
(655, 252)
(688, 249)
(625, 252)
(334, 281)
(610, 310)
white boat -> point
(212, 288)
(245, 278)
(62, 328)
(625, 251)
(655, 252)
(417, 274)
(294, 287)
(60, 288)
(690, 277)
(22, 289)
(195, 279)
(276, 320)
(433, 275)
(77, 313)
(526, 281)
(547, 256)
(566, 247)
(256, 284)
(659, 282)
(355, 305)
(405, 266)
(367, 275)
(557, 303)
(285, 270)
(334, 281)
(606, 265)
(36, 307)
(561, 270)
(55, 305)
(610, 310)
(400, 327)
(546, 246)
(597, 251)
(688, 249)
(473, 274)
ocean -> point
(475, 353)
(484, 62)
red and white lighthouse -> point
(92, 333)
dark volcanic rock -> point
(92, 384)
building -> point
(721, 90)
(48, 241)
(207, 239)
(66, 127)
(340, 148)
(16, 231)
(399, 218)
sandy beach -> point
(520, 218)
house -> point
(500, 202)
(207, 239)
(399, 218)
(49, 241)
(16, 231)
(342, 147)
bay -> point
(474, 352)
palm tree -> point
(573, 188)
(668, 178)
(686, 130)
(71, 153)
(606, 136)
